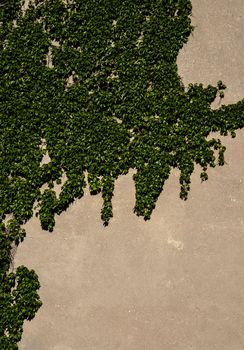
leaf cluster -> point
(19, 300)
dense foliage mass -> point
(94, 84)
(98, 82)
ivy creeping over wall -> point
(94, 85)
(97, 83)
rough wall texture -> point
(175, 282)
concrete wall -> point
(175, 282)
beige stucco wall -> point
(175, 282)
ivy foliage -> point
(111, 100)
(19, 300)
(96, 82)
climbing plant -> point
(19, 300)
(94, 85)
